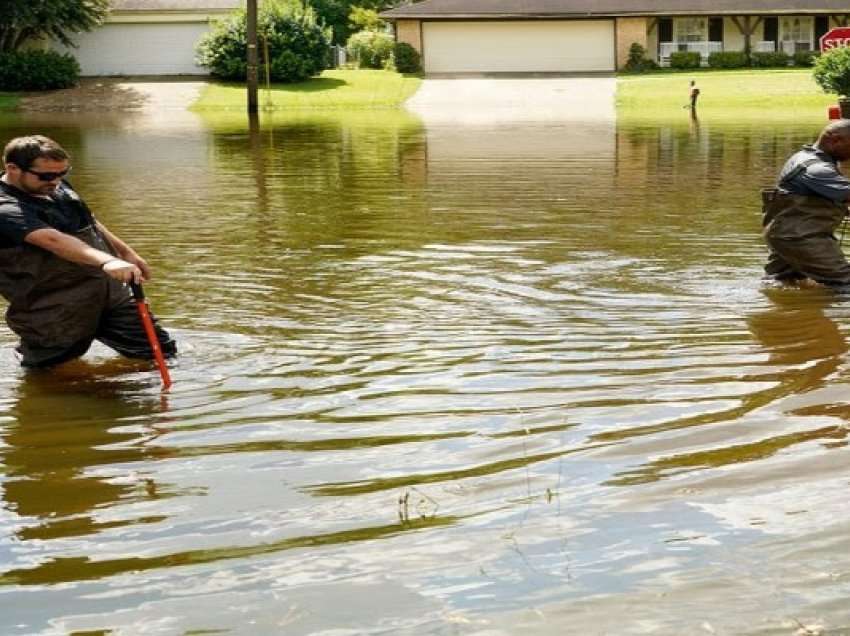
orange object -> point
(150, 332)
(834, 112)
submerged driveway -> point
(484, 100)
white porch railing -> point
(791, 47)
(766, 46)
(703, 48)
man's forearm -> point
(121, 248)
(68, 247)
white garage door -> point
(517, 47)
(140, 49)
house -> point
(148, 37)
(562, 36)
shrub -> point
(685, 59)
(638, 62)
(727, 59)
(298, 47)
(407, 59)
(371, 49)
(805, 58)
(764, 59)
(832, 71)
(32, 70)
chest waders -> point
(800, 232)
(54, 303)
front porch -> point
(706, 35)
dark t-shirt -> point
(21, 213)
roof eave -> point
(396, 15)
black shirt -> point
(820, 178)
(21, 213)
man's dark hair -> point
(838, 128)
(23, 151)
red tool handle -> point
(150, 332)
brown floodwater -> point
(506, 378)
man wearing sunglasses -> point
(62, 271)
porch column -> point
(747, 28)
(629, 31)
(409, 31)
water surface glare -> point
(514, 378)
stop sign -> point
(835, 39)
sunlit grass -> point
(338, 89)
(738, 94)
(8, 101)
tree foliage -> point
(336, 15)
(298, 47)
(23, 20)
(832, 71)
(361, 19)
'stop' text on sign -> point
(835, 39)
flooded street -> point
(513, 377)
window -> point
(691, 29)
(797, 29)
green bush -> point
(764, 59)
(638, 62)
(832, 71)
(371, 49)
(407, 59)
(298, 47)
(685, 59)
(728, 59)
(37, 70)
(805, 58)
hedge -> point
(728, 59)
(685, 59)
(34, 70)
(763, 59)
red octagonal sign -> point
(835, 39)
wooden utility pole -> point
(252, 56)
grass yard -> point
(337, 89)
(8, 101)
(734, 94)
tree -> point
(298, 46)
(361, 19)
(335, 14)
(22, 20)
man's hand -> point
(139, 262)
(123, 272)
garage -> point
(140, 49)
(513, 46)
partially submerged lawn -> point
(335, 89)
(762, 93)
(8, 101)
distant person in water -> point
(62, 272)
(807, 206)
(693, 96)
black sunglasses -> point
(49, 176)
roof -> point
(448, 9)
(175, 5)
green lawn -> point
(8, 101)
(336, 89)
(738, 94)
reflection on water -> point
(520, 377)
